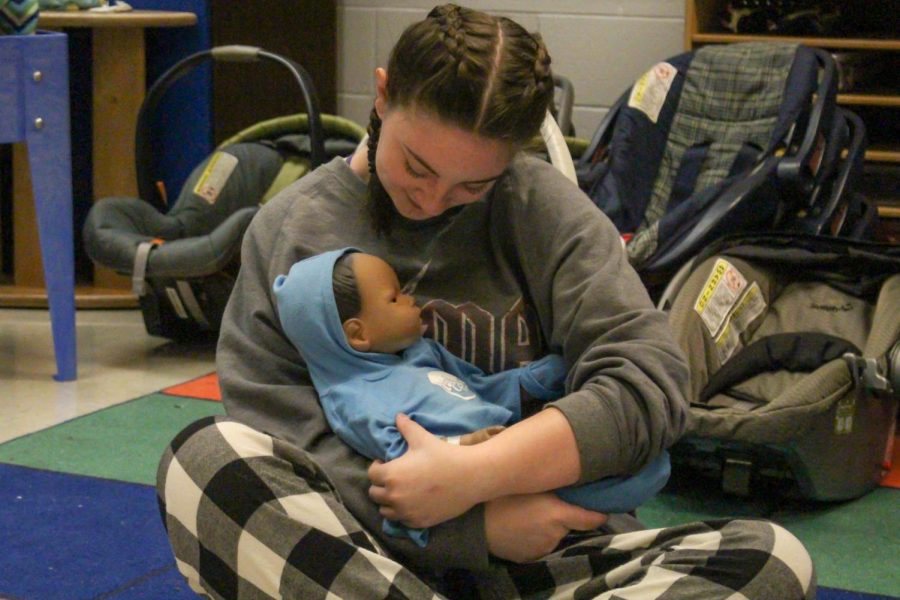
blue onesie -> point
(362, 392)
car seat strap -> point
(746, 157)
(688, 172)
(805, 351)
(138, 273)
(190, 302)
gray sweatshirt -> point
(534, 267)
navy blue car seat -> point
(720, 140)
(183, 258)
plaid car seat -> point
(726, 138)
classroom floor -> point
(117, 361)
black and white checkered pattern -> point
(249, 516)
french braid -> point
(379, 204)
(481, 73)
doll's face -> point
(389, 320)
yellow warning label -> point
(649, 92)
(215, 176)
(712, 282)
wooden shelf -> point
(883, 155)
(118, 78)
(134, 18)
(820, 42)
(889, 212)
(17, 296)
(864, 99)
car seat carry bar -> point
(797, 168)
(147, 189)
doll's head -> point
(376, 316)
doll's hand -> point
(431, 483)
(545, 379)
(526, 527)
(482, 435)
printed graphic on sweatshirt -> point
(492, 343)
(451, 384)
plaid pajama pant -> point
(250, 516)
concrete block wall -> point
(602, 46)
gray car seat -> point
(793, 343)
(183, 259)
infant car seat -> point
(793, 343)
(720, 140)
(183, 262)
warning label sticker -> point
(750, 306)
(215, 176)
(727, 305)
(648, 94)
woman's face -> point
(427, 166)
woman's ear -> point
(355, 330)
(381, 98)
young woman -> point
(361, 341)
(508, 260)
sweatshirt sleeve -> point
(628, 380)
(266, 386)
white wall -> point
(602, 46)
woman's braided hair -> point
(482, 73)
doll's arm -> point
(542, 379)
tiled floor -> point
(117, 361)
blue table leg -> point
(45, 81)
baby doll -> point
(361, 339)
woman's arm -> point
(435, 481)
(527, 527)
(520, 527)
(628, 377)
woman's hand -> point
(526, 527)
(431, 483)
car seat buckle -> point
(736, 475)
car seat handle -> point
(235, 53)
(564, 103)
(796, 169)
(147, 190)
(557, 148)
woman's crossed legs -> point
(250, 516)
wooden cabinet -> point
(865, 39)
